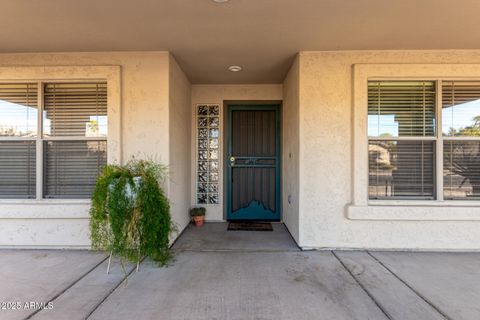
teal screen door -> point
(253, 163)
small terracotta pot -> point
(199, 220)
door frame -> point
(252, 105)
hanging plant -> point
(130, 214)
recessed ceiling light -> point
(220, 1)
(235, 68)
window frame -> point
(424, 138)
(442, 139)
(46, 138)
(40, 138)
(438, 140)
(80, 74)
(361, 207)
(20, 139)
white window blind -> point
(66, 149)
(17, 169)
(461, 141)
(18, 129)
(76, 112)
(401, 129)
(402, 169)
(75, 109)
(461, 170)
(18, 109)
(401, 109)
(71, 167)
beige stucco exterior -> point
(327, 163)
(321, 132)
(291, 151)
(146, 103)
(179, 145)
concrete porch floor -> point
(244, 275)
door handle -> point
(232, 161)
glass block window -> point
(208, 126)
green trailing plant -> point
(199, 211)
(130, 214)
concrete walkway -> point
(219, 274)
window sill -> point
(416, 211)
(44, 209)
(425, 203)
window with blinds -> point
(401, 109)
(402, 169)
(18, 132)
(461, 170)
(75, 110)
(461, 140)
(17, 169)
(66, 148)
(401, 130)
(18, 110)
(71, 167)
(75, 131)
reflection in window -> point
(71, 167)
(18, 109)
(461, 146)
(461, 170)
(75, 109)
(401, 108)
(78, 111)
(461, 108)
(382, 126)
(401, 169)
(401, 118)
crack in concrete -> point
(409, 287)
(111, 291)
(67, 287)
(378, 304)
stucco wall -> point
(180, 139)
(317, 148)
(291, 150)
(145, 133)
(326, 159)
(218, 94)
(144, 93)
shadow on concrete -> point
(213, 236)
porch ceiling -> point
(262, 36)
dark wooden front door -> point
(253, 163)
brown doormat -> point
(250, 226)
